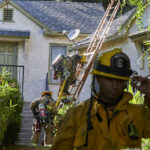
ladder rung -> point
(81, 69)
(109, 15)
(71, 94)
(105, 22)
(74, 85)
(78, 78)
(86, 54)
(111, 8)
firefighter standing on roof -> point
(43, 110)
(107, 121)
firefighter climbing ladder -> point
(93, 48)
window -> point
(144, 59)
(146, 51)
(8, 14)
(8, 56)
(55, 51)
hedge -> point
(10, 109)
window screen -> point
(8, 15)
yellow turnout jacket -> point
(111, 130)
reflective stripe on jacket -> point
(107, 133)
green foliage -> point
(145, 144)
(10, 109)
(141, 5)
(138, 99)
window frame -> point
(6, 53)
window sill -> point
(8, 21)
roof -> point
(59, 16)
(15, 33)
(113, 31)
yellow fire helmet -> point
(114, 64)
(47, 93)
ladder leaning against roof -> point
(93, 48)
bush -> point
(139, 99)
(10, 109)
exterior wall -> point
(33, 53)
(143, 68)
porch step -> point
(26, 127)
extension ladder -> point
(93, 48)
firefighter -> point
(66, 69)
(43, 110)
(107, 121)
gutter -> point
(114, 37)
(53, 33)
(111, 38)
(139, 34)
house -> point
(31, 36)
(125, 34)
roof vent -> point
(8, 15)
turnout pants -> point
(48, 138)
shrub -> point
(10, 109)
(139, 99)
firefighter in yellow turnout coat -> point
(43, 110)
(69, 65)
(107, 121)
(65, 68)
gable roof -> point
(59, 16)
